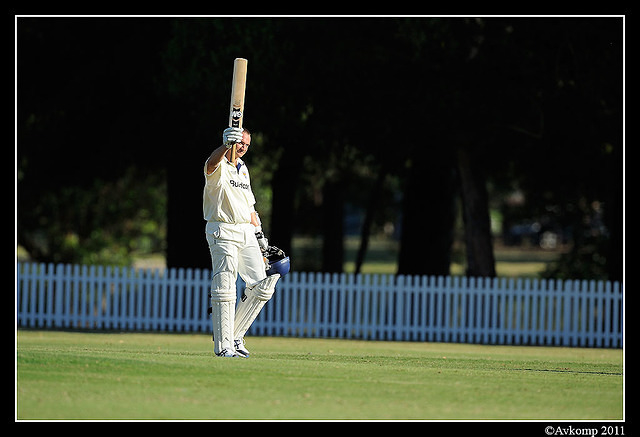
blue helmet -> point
(281, 266)
(278, 261)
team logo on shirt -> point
(239, 184)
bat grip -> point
(233, 154)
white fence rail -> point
(371, 307)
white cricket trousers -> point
(234, 251)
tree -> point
(85, 116)
(491, 104)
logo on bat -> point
(236, 115)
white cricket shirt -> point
(227, 196)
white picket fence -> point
(370, 307)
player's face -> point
(243, 147)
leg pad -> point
(253, 299)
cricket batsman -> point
(237, 246)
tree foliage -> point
(399, 117)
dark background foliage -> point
(413, 120)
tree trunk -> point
(428, 216)
(332, 227)
(368, 219)
(186, 242)
(477, 223)
(283, 214)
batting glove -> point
(262, 241)
(231, 136)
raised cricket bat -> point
(238, 86)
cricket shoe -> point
(226, 353)
(241, 350)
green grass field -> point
(137, 376)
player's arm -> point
(254, 220)
(215, 158)
(230, 136)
